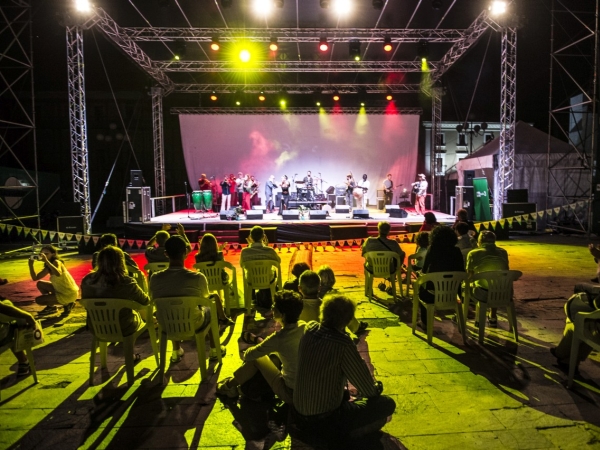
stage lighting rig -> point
(273, 45)
(215, 44)
(387, 44)
(354, 49)
(342, 7)
(497, 8)
(323, 45)
(423, 51)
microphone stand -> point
(187, 197)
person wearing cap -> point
(420, 190)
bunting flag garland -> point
(2, 227)
(26, 231)
(493, 223)
(557, 210)
(19, 229)
(139, 244)
(130, 242)
(95, 239)
(510, 221)
(477, 227)
(86, 238)
(35, 232)
(503, 223)
(78, 237)
(69, 236)
(518, 219)
(61, 236)
(9, 228)
(51, 234)
(580, 204)
(121, 242)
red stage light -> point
(323, 45)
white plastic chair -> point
(177, 321)
(103, 314)
(138, 276)
(28, 350)
(410, 261)
(581, 333)
(259, 275)
(380, 263)
(446, 286)
(213, 272)
(499, 295)
(155, 267)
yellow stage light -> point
(244, 55)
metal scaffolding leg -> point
(436, 140)
(159, 148)
(508, 108)
(78, 123)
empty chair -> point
(259, 275)
(499, 295)
(383, 265)
(11, 342)
(213, 272)
(103, 316)
(446, 285)
(177, 321)
(582, 332)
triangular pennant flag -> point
(139, 244)
(26, 231)
(477, 227)
(518, 219)
(44, 234)
(557, 210)
(493, 224)
(61, 236)
(121, 242)
(510, 221)
(580, 204)
(572, 205)
(87, 238)
(95, 239)
(502, 222)
(130, 242)
(19, 229)
(3, 227)
(69, 236)
(35, 232)
(565, 208)
(51, 234)
(78, 237)
(9, 227)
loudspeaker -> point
(330, 190)
(360, 213)
(517, 209)
(396, 211)
(227, 215)
(259, 208)
(517, 196)
(318, 215)
(380, 203)
(136, 178)
(290, 215)
(342, 209)
(254, 215)
(70, 224)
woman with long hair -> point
(110, 280)
(60, 290)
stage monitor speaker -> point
(360, 213)
(254, 215)
(259, 208)
(342, 209)
(318, 215)
(136, 180)
(396, 211)
(227, 215)
(70, 224)
(517, 196)
(290, 215)
(330, 190)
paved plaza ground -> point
(500, 394)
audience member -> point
(381, 243)
(442, 256)
(157, 253)
(60, 290)
(595, 252)
(110, 280)
(211, 252)
(488, 257)
(327, 280)
(276, 357)
(462, 215)
(309, 289)
(327, 361)
(21, 319)
(422, 241)
(111, 239)
(465, 242)
(297, 270)
(177, 281)
(430, 222)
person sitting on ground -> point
(110, 280)
(327, 280)
(60, 290)
(422, 241)
(381, 243)
(462, 215)
(276, 357)
(466, 243)
(157, 253)
(298, 269)
(442, 256)
(430, 222)
(21, 319)
(111, 239)
(177, 281)
(327, 361)
(259, 250)
(488, 257)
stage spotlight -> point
(262, 7)
(389, 97)
(261, 97)
(238, 103)
(336, 98)
(436, 4)
(497, 8)
(318, 103)
(423, 51)
(387, 44)
(323, 45)
(378, 4)
(214, 97)
(324, 3)
(226, 3)
(362, 103)
(215, 45)
(342, 7)
(354, 49)
(244, 55)
(83, 5)
(179, 51)
(273, 45)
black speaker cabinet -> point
(342, 209)
(227, 215)
(517, 209)
(290, 215)
(318, 215)
(70, 224)
(136, 180)
(360, 213)
(330, 190)
(254, 214)
(396, 211)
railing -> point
(172, 197)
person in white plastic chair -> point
(381, 243)
(20, 316)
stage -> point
(332, 226)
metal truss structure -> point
(159, 148)
(78, 123)
(436, 146)
(18, 144)
(275, 110)
(298, 88)
(294, 35)
(573, 108)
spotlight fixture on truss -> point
(273, 45)
(387, 44)
(423, 51)
(323, 45)
(436, 4)
(215, 44)
(354, 49)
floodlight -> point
(238, 103)
(342, 7)
(273, 45)
(213, 97)
(354, 49)
(378, 4)
(387, 44)
(261, 97)
(262, 7)
(336, 98)
(83, 5)
(323, 45)
(179, 51)
(497, 8)
(318, 103)
(214, 43)
(389, 97)
(244, 55)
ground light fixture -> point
(387, 44)
(323, 45)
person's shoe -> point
(224, 388)
(23, 369)
(213, 353)
(47, 311)
(177, 355)
(67, 309)
(492, 322)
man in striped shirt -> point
(327, 361)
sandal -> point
(250, 338)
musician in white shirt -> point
(364, 184)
